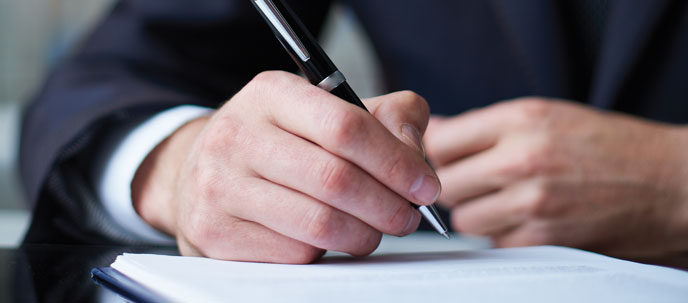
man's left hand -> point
(536, 171)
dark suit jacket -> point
(149, 55)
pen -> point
(319, 69)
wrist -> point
(681, 219)
(154, 184)
(669, 149)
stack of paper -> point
(534, 274)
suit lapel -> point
(537, 37)
(629, 27)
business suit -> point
(152, 55)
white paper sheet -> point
(534, 274)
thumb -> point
(405, 114)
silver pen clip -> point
(270, 12)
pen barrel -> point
(345, 92)
(431, 215)
(319, 65)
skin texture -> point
(284, 171)
(538, 171)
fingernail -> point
(426, 189)
(412, 134)
(413, 222)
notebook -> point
(531, 274)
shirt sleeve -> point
(116, 167)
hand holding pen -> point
(285, 170)
(320, 71)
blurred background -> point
(35, 34)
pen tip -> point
(446, 235)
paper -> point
(534, 274)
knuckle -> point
(344, 127)
(305, 254)
(414, 100)
(462, 224)
(335, 177)
(529, 163)
(542, 155)
(399, 219)
(206, 184)
(544, 237)
(319, 226)
(537, 200)
(259, 84)
(199, 231)
(395, 165)
(545, 146)
(269, 77)
(539, 236)
(522, 167)
(267, 85)
(406, 102)
(415, 105)
(530, 110)
(369, 244)
(527, 236)
(217, 141)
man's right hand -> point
(285, 170)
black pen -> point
(319, 69)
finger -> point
(473, 176)
(436, 121)
(515, 158)
(301, 217)
(348, 132)
(493, 213)
(458, 137)
(530, 234)
(309, 169)
(405, 114)
(240, 240)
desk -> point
(61, 273)
(58, 273)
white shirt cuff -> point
(118, 167)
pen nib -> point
(446, 235)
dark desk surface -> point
(61, 273)
(57, 273)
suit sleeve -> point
(146, 56)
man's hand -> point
(535, 171)
(285, 170)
